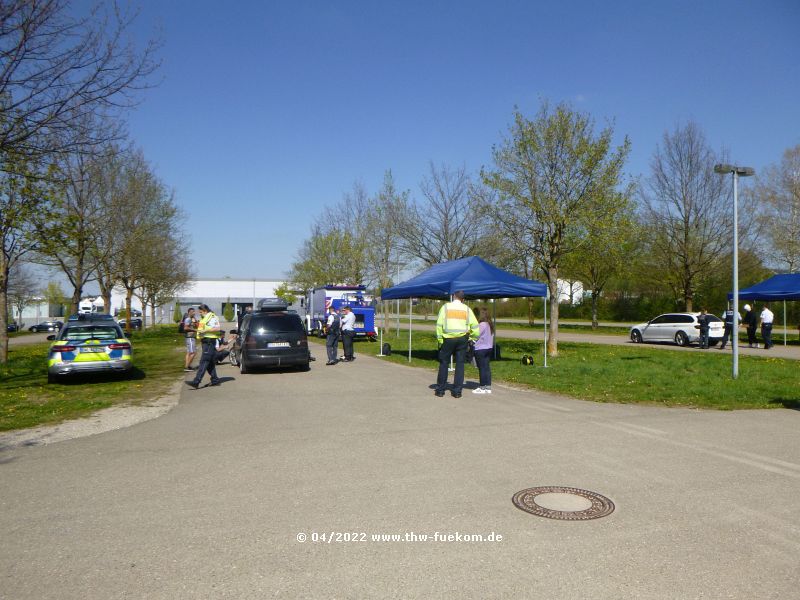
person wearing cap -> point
(728, 318)
(348, 332)
(455, 326)
(750, 321)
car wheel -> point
(51, 378)
(636, 336)
(242, 366)
(304, 367)
(681, 339)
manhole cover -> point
(563, 503)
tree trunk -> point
(595, 323)
(153, 313)
(128, 298)
(531, 320)
(552, 338)
(3, 308)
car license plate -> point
(93, 349)
(278, 345)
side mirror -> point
(51, 337)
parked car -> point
(135, 323)
(271, 337)
(46, 326)
(88, 345)
(11, 328)
(679, 328)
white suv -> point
(680, 328)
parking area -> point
(236, 492)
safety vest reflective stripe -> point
(202, 333)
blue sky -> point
(268, 110)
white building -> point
(217, 293)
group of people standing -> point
(206, 329)
(732, 321)
(340, 325)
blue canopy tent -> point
(778, 287)
(476, 277)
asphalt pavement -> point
(284, 484)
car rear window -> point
(276, 323)
(713, 319)
(98, 332)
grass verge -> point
(627, 374)
(27, 400)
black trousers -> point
(347, 342)
(704, 337)
(207, 362)
(331, 345)
(457, 348)
(766, 333)
(728, 332)
(751, 336)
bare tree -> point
(444, 225)
(56, 68)
(166, 268)
(778, 190)
(687, 211)
(555, 172)
(22, 288)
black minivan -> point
(271, 337)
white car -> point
(679, 328)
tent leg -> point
(494, 322)
(545, 329)
(380, 349)
(785, 331)
(409, 329)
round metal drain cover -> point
(563, 503)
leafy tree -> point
(227, 313)
(26, 204)
(284, 293)
(611, 242)
(556, 172)
(54, 294)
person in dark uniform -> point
(348, 332)
(703, 323)
(333, 330)
(729, 318)
(750, 321)
(208, 332)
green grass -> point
(27, 400)
(629, 374)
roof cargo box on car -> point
(272, 304)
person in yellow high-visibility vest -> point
(208, 332)
(455, 326)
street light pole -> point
(744, 172)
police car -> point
(89, 344)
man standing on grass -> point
(455, 326)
